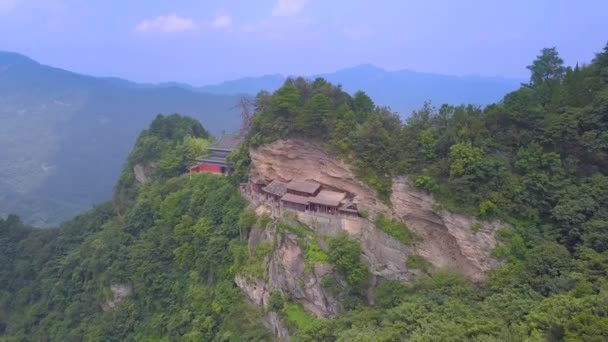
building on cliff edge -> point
(305, 196)
(215, 161)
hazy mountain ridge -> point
(66, 135)
(402, 90)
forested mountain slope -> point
(160, 261)
(153, 265)
(64, 136)
(537, 160)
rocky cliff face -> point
(293, 159)
(120, 292)
(142, 171)
(286, 274)
(384, 256)
(449, 241)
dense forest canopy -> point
(538, 160)
(539, 157)
(173, 240)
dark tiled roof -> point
(304, 186)
(328, 198)
(276, 188)
(227, 142)
(291, 198)
(212, 159)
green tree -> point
(547, 67)
(547, 266)
(345, 254)
(363, 106)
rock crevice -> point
(448, 240)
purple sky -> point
(207, 41)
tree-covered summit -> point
(540, 155)
(172, 240)
(538, 159)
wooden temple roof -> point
(295, 199)
(227, 142)
(276, 188)
(307, 187)
(328, 198)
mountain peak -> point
(367, 68)
(8, 57)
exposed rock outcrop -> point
(384, 255)
(448, 240)
(142, 171)
(294, 159)
(120, 292)
(274, 322)
(286, 274)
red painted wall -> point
(206, 168)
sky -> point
(208, 41)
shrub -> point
(364, 213)
(255, 267)
(297, 228)
(488, 209)
(297, 318)
(345, 254)
(426, 183)
(332, 285)
(276, 302)
(263, 222)
(417, 262)
(390, 293)
(396, 229)
(314, 254)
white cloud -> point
(171, 23)
(303, 21)
(288, 7)
(359, 32)
(250, 28)
(7, 5)
(272, 26)
(221, 21)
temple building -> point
(306, 196)
(326, 202)
(215, 161)
(303, 188)
(275, 190)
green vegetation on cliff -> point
(169, 240)
(538, 159)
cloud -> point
(7, 5)
(284, 8)
(222, 20)
(171, 23)
(303, 21)
(481, 37)
(359, 32)
(271, 26)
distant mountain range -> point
(402, 90)
(64, 136)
